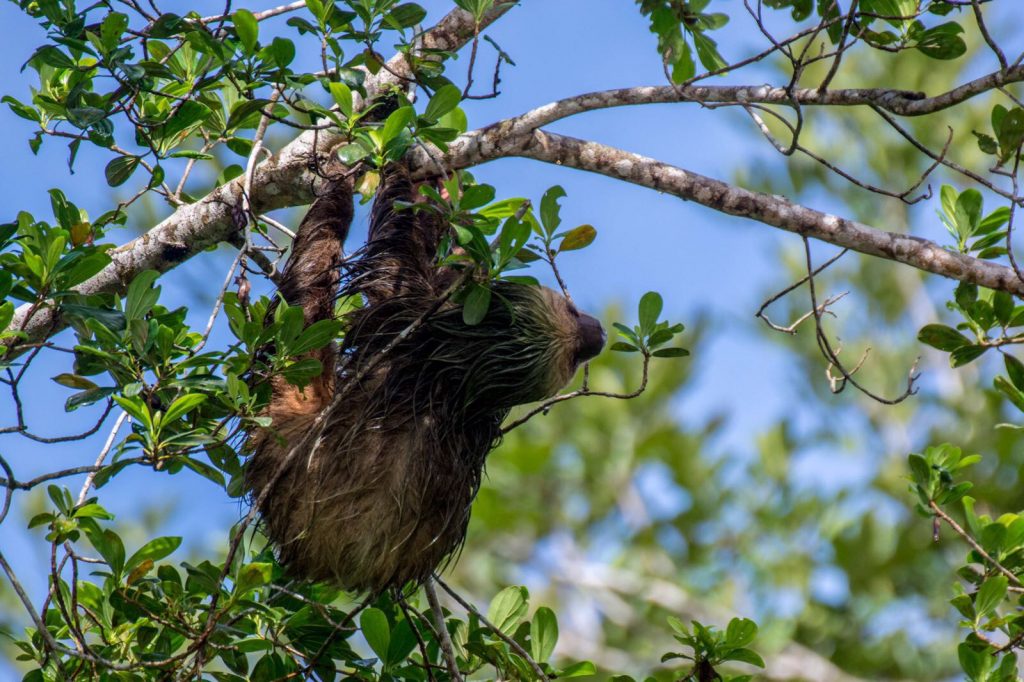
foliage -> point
(164, 94)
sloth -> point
(413, 397)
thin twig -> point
(443, 637)
(958, 529)
(121, 418)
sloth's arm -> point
(310, 279)
(403, 242)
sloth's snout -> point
(592, 337)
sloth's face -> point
(527, 347)
(574, 337)
(582, 337)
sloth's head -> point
(526, 348)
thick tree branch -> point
(494, 142)
(283, 180)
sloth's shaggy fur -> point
(386, 496)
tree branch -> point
(493, 143)
(899, 102)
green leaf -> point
(374, 626)
(253, 575)
(476, 305)
(543, 634)
(1011, 132)
(986, 143)
(111, 548)
(245, 108)
(507, 608)
(403, 641)
(968, 211)
(405, 15)
(44, 518)
(506, 208)
(350, 154)
(942, 41)
(650, 310)
(74, 381)
(141, 296)
(975, 663)
(994, 220)
(111, 30)
(919, 469)
(396, 123)
(744, 656)
(942, 337)
(444, 100)
(740, 632)
(342, 95)
(1014, 370)
(188, 116)
(120, 169)
(192, 154)
(581, 669)
(966, 354)
(300, 373)
(965, 295)
(247, 28)
(48, 54)
(476, 196)
(113, 320)
(1002, 307)
(92, 511)
(670, 353)
(23, 110)
(183, 406)
(283, 51)
(135, 408)
(683, 66)
(549, 209)
(707, 52)
(154, 550)
(317, 335)
(88, 397)
(203, 469)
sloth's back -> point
(377, 505)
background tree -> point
(618, 514)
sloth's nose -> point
(592, 337)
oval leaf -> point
(374, 625)
(650, 309)
(578, 238)
(543, 634)
(444, 100)
(507, 608)
(120, 169)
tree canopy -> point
(627, 526)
